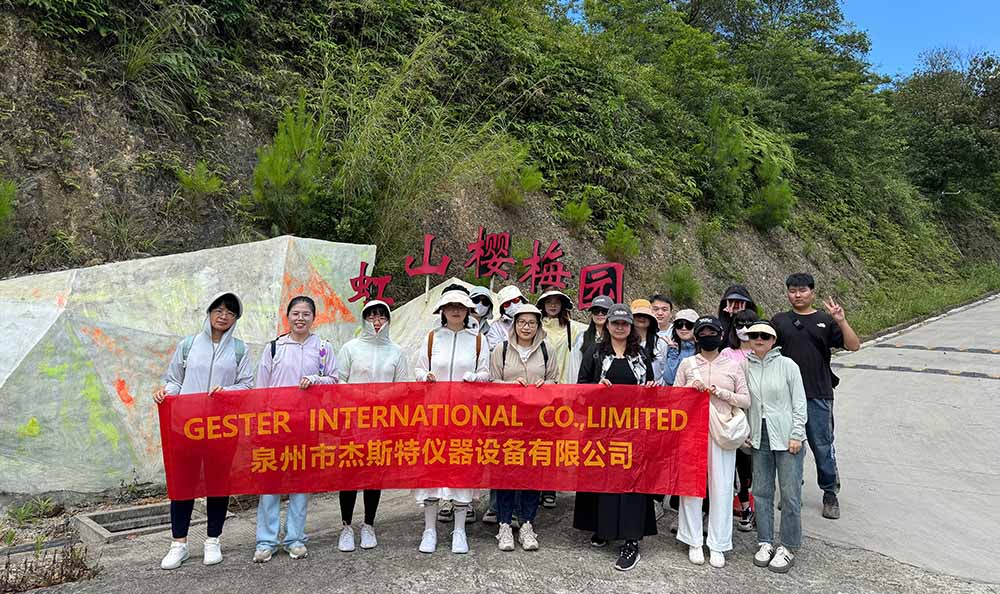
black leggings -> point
(744, 473)
(349, 498)
(180, 516)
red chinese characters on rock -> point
(489, 254)
(426, 268)
(601, 279)
(370, 287)
(545, 270)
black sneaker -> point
(628, 557)
(746, 521)
(597, 542)
(831, 507)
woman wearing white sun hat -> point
(453, 352)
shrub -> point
(682, 285)
(709, 234)
(8, 196)
(577, 214)
(620, 244)
(199, 183)
(771, 206)
(516, 180)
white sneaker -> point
(262, 555)
(297, 551)
(526, 535)
(782, 561)
(765, 551)
(459, 544)
(213, 551)
(696, 555)
(368, 540)
(505, 538)
(346, 542)
(716, 559)
(177, 554)
(657, 510)
(429, 541)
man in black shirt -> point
(806, 336)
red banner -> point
(417, 435)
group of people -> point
(768, 382)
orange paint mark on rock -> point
(101, 339)
(330, 307)
(36, 293)
(60, 300)
(123, 394)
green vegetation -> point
(8, 198)
(199, 183)
(620, 244)
(576, 215)
(682, 285)
(24, 514)
(625, 113)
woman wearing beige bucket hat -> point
(454, 352)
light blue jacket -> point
(675, 354)
(776, 394)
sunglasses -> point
(684, 325)
(746, 325)
(507, 304)
(759, 336)
(598, 311)
(480, 299)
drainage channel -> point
(117, 524)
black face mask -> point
(709, 343)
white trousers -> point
(721, 470)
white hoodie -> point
(453, 356)
(373, 358)
(209, 364)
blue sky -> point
(901, 29)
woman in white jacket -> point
(210, 361)
(368, 359)
(453, 352)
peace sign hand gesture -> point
(834, 309)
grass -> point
(8, 195)
(37, 508)
(883, 307)
(200, 182)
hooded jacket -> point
(206, 364)
(453, 356)
(675, 354)
(292, 361)
(725, 317)
(723, 373)
(373, 358)
(528, 363)
(776, 394)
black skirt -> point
(615, 516)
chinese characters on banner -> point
(490, 256)
(424, 435)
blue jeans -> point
(819, 434)
(788, 467)
(269, 521)
(526, 503)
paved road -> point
(920, 505)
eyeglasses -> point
(223, 313)
(526, 323)
(759, 336)
(683, 325)
(598, 311)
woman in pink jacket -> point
(723, 379)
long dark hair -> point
(632, 346)
(563, 315)
(741, 317)
(651, 337)
(590, 336)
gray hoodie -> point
(208, 364)
(373, 358)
